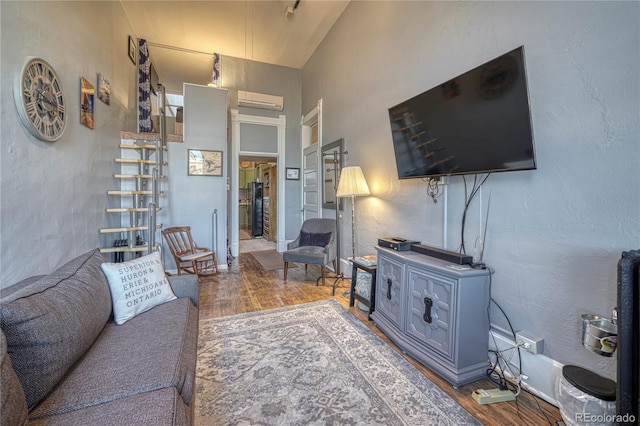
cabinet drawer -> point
(431, 313)
(389, 289)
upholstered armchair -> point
(315, 245)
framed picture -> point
(87, 93)
(132, 50)
(104, 89)
(293, 173)
(204, 163)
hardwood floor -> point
(247, 287)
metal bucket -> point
(599, 334)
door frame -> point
(236, 120)
(307, 121)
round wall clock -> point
(40, 100)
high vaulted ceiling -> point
(262, 31)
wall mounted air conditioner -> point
(259, 100)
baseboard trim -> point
(541, 371)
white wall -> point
(555, 234)
(53, 195)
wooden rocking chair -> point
(189, 257)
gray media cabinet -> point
(434, 312)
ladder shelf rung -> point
(119, 192)
(138, 161)
(127, 249)
(126, 229)
(141, 146)
(125, 176)
(131, 209)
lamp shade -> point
(352, 183)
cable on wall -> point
(478, 181)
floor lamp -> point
(352, 184)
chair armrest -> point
(185, 286)
(294, 244)
(331, 249)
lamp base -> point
(337, 278)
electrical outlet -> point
(532, 344)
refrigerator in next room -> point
(255, 209)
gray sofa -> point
(64, 361)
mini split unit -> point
(259, 100)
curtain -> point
(145, 124)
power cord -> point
(434, 190)
(468, 197)
(498, 377)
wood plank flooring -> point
(247, 287)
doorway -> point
(260, 140)
(257, 208)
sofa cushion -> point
(13, 404)
(51, 323)
(154, 350)
(137, 286)
(157, 408)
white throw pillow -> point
(137, 286)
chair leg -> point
(286, 268)
(322, 269)
(306, 266)
(335, 266)
(215, 264)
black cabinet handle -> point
(389, 284)
(428, 303)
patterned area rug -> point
(310, 364)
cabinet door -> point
(243, 217)
(431, 316)
(388, 289)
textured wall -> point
(53, 195)
(554, 234)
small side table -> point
(354, 277)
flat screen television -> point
(477, 122)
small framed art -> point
(293, 173)
(87, 93)
(132, 50)
(104, 89)
(203, 162)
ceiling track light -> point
(288, 12)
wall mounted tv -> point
(477, 122)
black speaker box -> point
(451, 256)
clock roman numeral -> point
(50, 130)
(31, 109)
